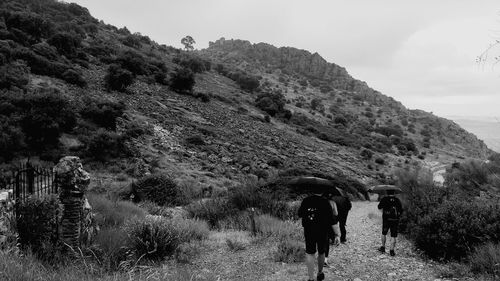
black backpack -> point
(311, 216)
(392, 213)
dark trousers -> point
(342, 222)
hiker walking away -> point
(343, 206)
(317, 217)
(333, 231)
(391, 212)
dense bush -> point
(389, 131)
(74, 77)
(37, 220)
(11, 138)
(455, 227)
(33, 25)
(134, 62)
(105, 144)
(193, 62)
(213, 211)
(66, 44)
(102, 112)
(118, 78)
(14, 74)
(272, 103)
(156, 238)
(160, 189)
(182, 80)
(42, 125)
(245, 81)
(446, 223)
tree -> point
(188, 42)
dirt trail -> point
(356, 260)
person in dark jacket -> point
(391, 211)
(343, 207)
(317, 218)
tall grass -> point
(27, 268)
(486, 259)
(113, 213)
(156, 237)
(269, 226)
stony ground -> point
(357, 260)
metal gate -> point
(31, 180)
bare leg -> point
(393, 244)
(321, 262)
(310, 259)
(383, 240)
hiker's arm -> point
(348, 204)
(301, 210)
(336, 229)
(381, 204)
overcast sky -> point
(423, 52)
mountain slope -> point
(254, 110)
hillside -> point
(252, 110)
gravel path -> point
(357, 260)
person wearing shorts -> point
(390, 222)
(317, 217)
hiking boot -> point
(320, 277)
(343, 241)
(392, 253)
(381, 249)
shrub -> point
(389, 131)
(235, 244)
(340, 120)
(32, 24)
(74, 77)
(269, 226)
(117, 78)
(272, 103)
(42, 125)
(134, 62)
(195, 63)
(113, 213)
(14, 74)
(248, 196)
(195, 140)
(160, 189)
(182, 80)
(37, 220)
(65, 43)
(186, 252)
(156, 238)
(213, 211)
(467, 224)
(486, 259)
(245, 81)
(102, 113)
(290, 251)
(104, 145)
(366, 154)
(131, 41)
(11, 139)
